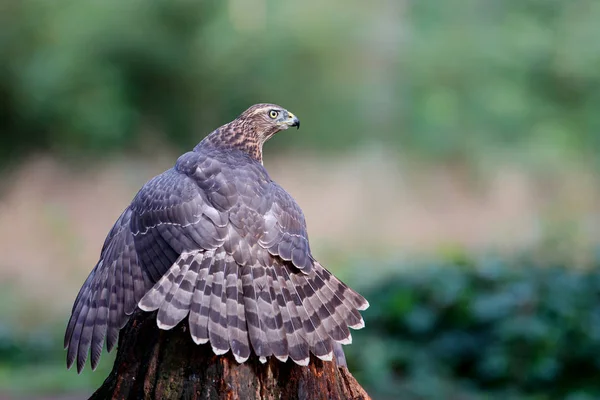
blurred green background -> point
(447, 166)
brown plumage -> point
(214, 239)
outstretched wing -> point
(108, 296)
(168, 216)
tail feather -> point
(258, 338)
(267, 305)
(267, 314)
(177, 301)
(156, 296)
(342, 310)
(342, 306)
(276, 335)
(331, 318)
(173, 310)
(236, 319)
(352, 299)
(318, 340)
(298, 346)
(198, 319)
(217, 317)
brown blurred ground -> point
(53, 218)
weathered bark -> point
(156, 364)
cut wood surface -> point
(157, 364)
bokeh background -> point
(447, 166)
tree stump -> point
(156, 364)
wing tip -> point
(80, 366)
(110, 346)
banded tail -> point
(276, 310)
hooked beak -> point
(293, 120)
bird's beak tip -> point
(295, 122)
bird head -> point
(252, 129)
(267, 119)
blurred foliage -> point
(483, 328)
(447, 79)
(32, 361)
(32, 358)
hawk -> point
(216, 240)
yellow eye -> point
(273, 114)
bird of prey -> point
(216, 240)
